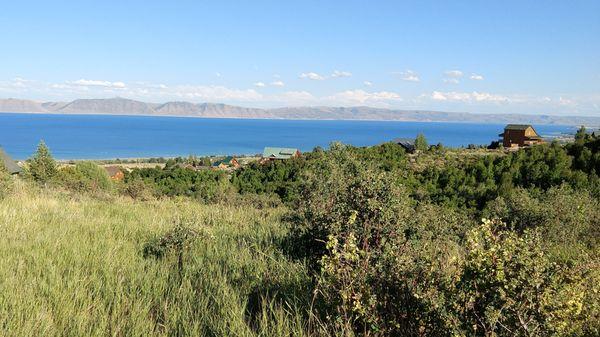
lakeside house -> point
(407, 143)
(11, 166)
(279, 153)
(115, 172)
(226, 163)
(520, 135)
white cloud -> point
(358, 96)
(312, 76)
(451, 80)
(467, 97)
(454, 73)
(16, 85)
(337, 73)
(476, 77)
(213, 93)
(218, 74)
(259, 84)
(278, 83)
(475, 101)
(408, 75)
(368, 83)
(295, 97)
(565, 101)
(98, 83)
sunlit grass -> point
(72, 266)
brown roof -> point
(112, 170)
(517, 127)
(8, 163)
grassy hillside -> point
(340, 242)
(74, 266)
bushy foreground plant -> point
(174, 242)
(85, 177)
(500, 284)
(6, 183)
(388, 266)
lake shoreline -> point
(320, 119)
(106, 137)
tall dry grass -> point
(72, 266)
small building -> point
(407, 143)
(11, 166)
(279, 153)
(115, 172)
(226, 163)
(519, 135)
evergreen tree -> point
(581, 134)
(421, 143)
(42, 167)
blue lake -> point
(104, 136)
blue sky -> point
(475, 56)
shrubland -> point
(345, 241)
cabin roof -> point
(279, 152)
(520, 127)
(406, 143)
(227, 161)
(11, 166)
(112, 170)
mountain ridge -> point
(124, 106)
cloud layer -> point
(258, 95)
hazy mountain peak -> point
(125, 106)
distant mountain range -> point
(122, 106)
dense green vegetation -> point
(345, 241)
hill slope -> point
(123, 106)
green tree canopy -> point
(42, 167)
(421, 142)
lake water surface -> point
(105, 136)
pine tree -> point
(421, 143)
(42, 167)
(581, 134)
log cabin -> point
(520, 135)
(279, 153)
(225, 163)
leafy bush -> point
(6, 183)
(568, 219)
(85, 177)
(337, 188)
(172, 243)
(137, 189)
(421, 143)
(204, 185)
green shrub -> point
(85, 177)
(508, 287)
(421, 143)
(173, 243)
(137, 189)
(6, 182)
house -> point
(407, 143)
(11, 166)
(225, 163)
(115, 172)
(275, 153)
(519, 135)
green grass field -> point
(73, 266)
